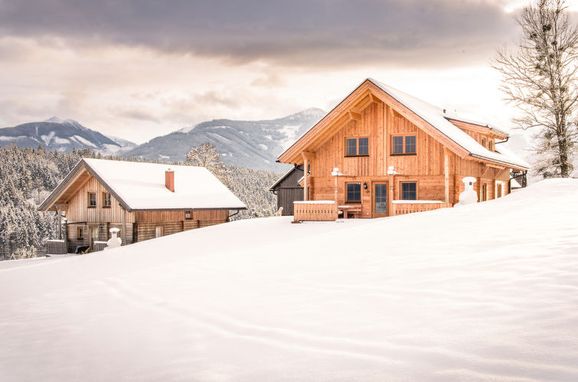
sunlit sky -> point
(137, 69)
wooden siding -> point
(427, 168)
(77, 208)
(134, 226)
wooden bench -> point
(347, 209)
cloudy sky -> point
(142, 68)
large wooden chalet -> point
(143, 200)
(382, 152)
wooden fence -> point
(407, 207)
(318, 210)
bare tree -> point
(206, 155)
(540, 79)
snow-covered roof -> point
(141, 186)
(435, 116)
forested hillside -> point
(28, 175)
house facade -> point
(382, 152)
(142, 200)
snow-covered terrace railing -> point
(314, 210)
(402, 207)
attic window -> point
(355, 147)
(106, 201)
(404, 145)
(92, 200)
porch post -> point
(305, 176)
(446, 176)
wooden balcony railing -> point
(402, 207)
(314, 210)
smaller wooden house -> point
(143, 200)
(289, 189)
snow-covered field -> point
(487, 292)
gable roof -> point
(428, 117)
(285, 176)
(141, 186)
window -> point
(79, 233)
(351, 147)
(363, 146)
(92, 200)
(410, 144)
(188, 215)
(484, 192)
(397, 145)
(106, 201)
(356, 147)
(353, 192)
(409, 191)
(404, 145)
(484, 143)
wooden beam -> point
(353, 116)
(446, 175)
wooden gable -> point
(349, 110)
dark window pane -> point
(410, 144)
(354, 192)
(363, 146)
(351, 149)
(92, 199)
(409, 191)
(398, 145)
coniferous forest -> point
(29, 175)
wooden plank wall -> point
(78, 211)
(380, 122)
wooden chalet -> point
(382, 152)
(143, 200)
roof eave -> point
(502, 163)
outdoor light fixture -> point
(364, 185)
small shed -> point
(288, 190)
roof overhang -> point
(78, 176)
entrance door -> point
(379, 199)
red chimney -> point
(170, 180)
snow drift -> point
(485, 292)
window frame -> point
(347, 200)
(89, 199)
(357, 145)
(401, 191)
(80, 233)
(104, 200)
(403, 145)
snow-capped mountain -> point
(253, 144)
(63, 135)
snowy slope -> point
(252, 144)
(489, 292)
(62, 135)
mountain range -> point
(62, 135)
(252, 144)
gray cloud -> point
(296, 32)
